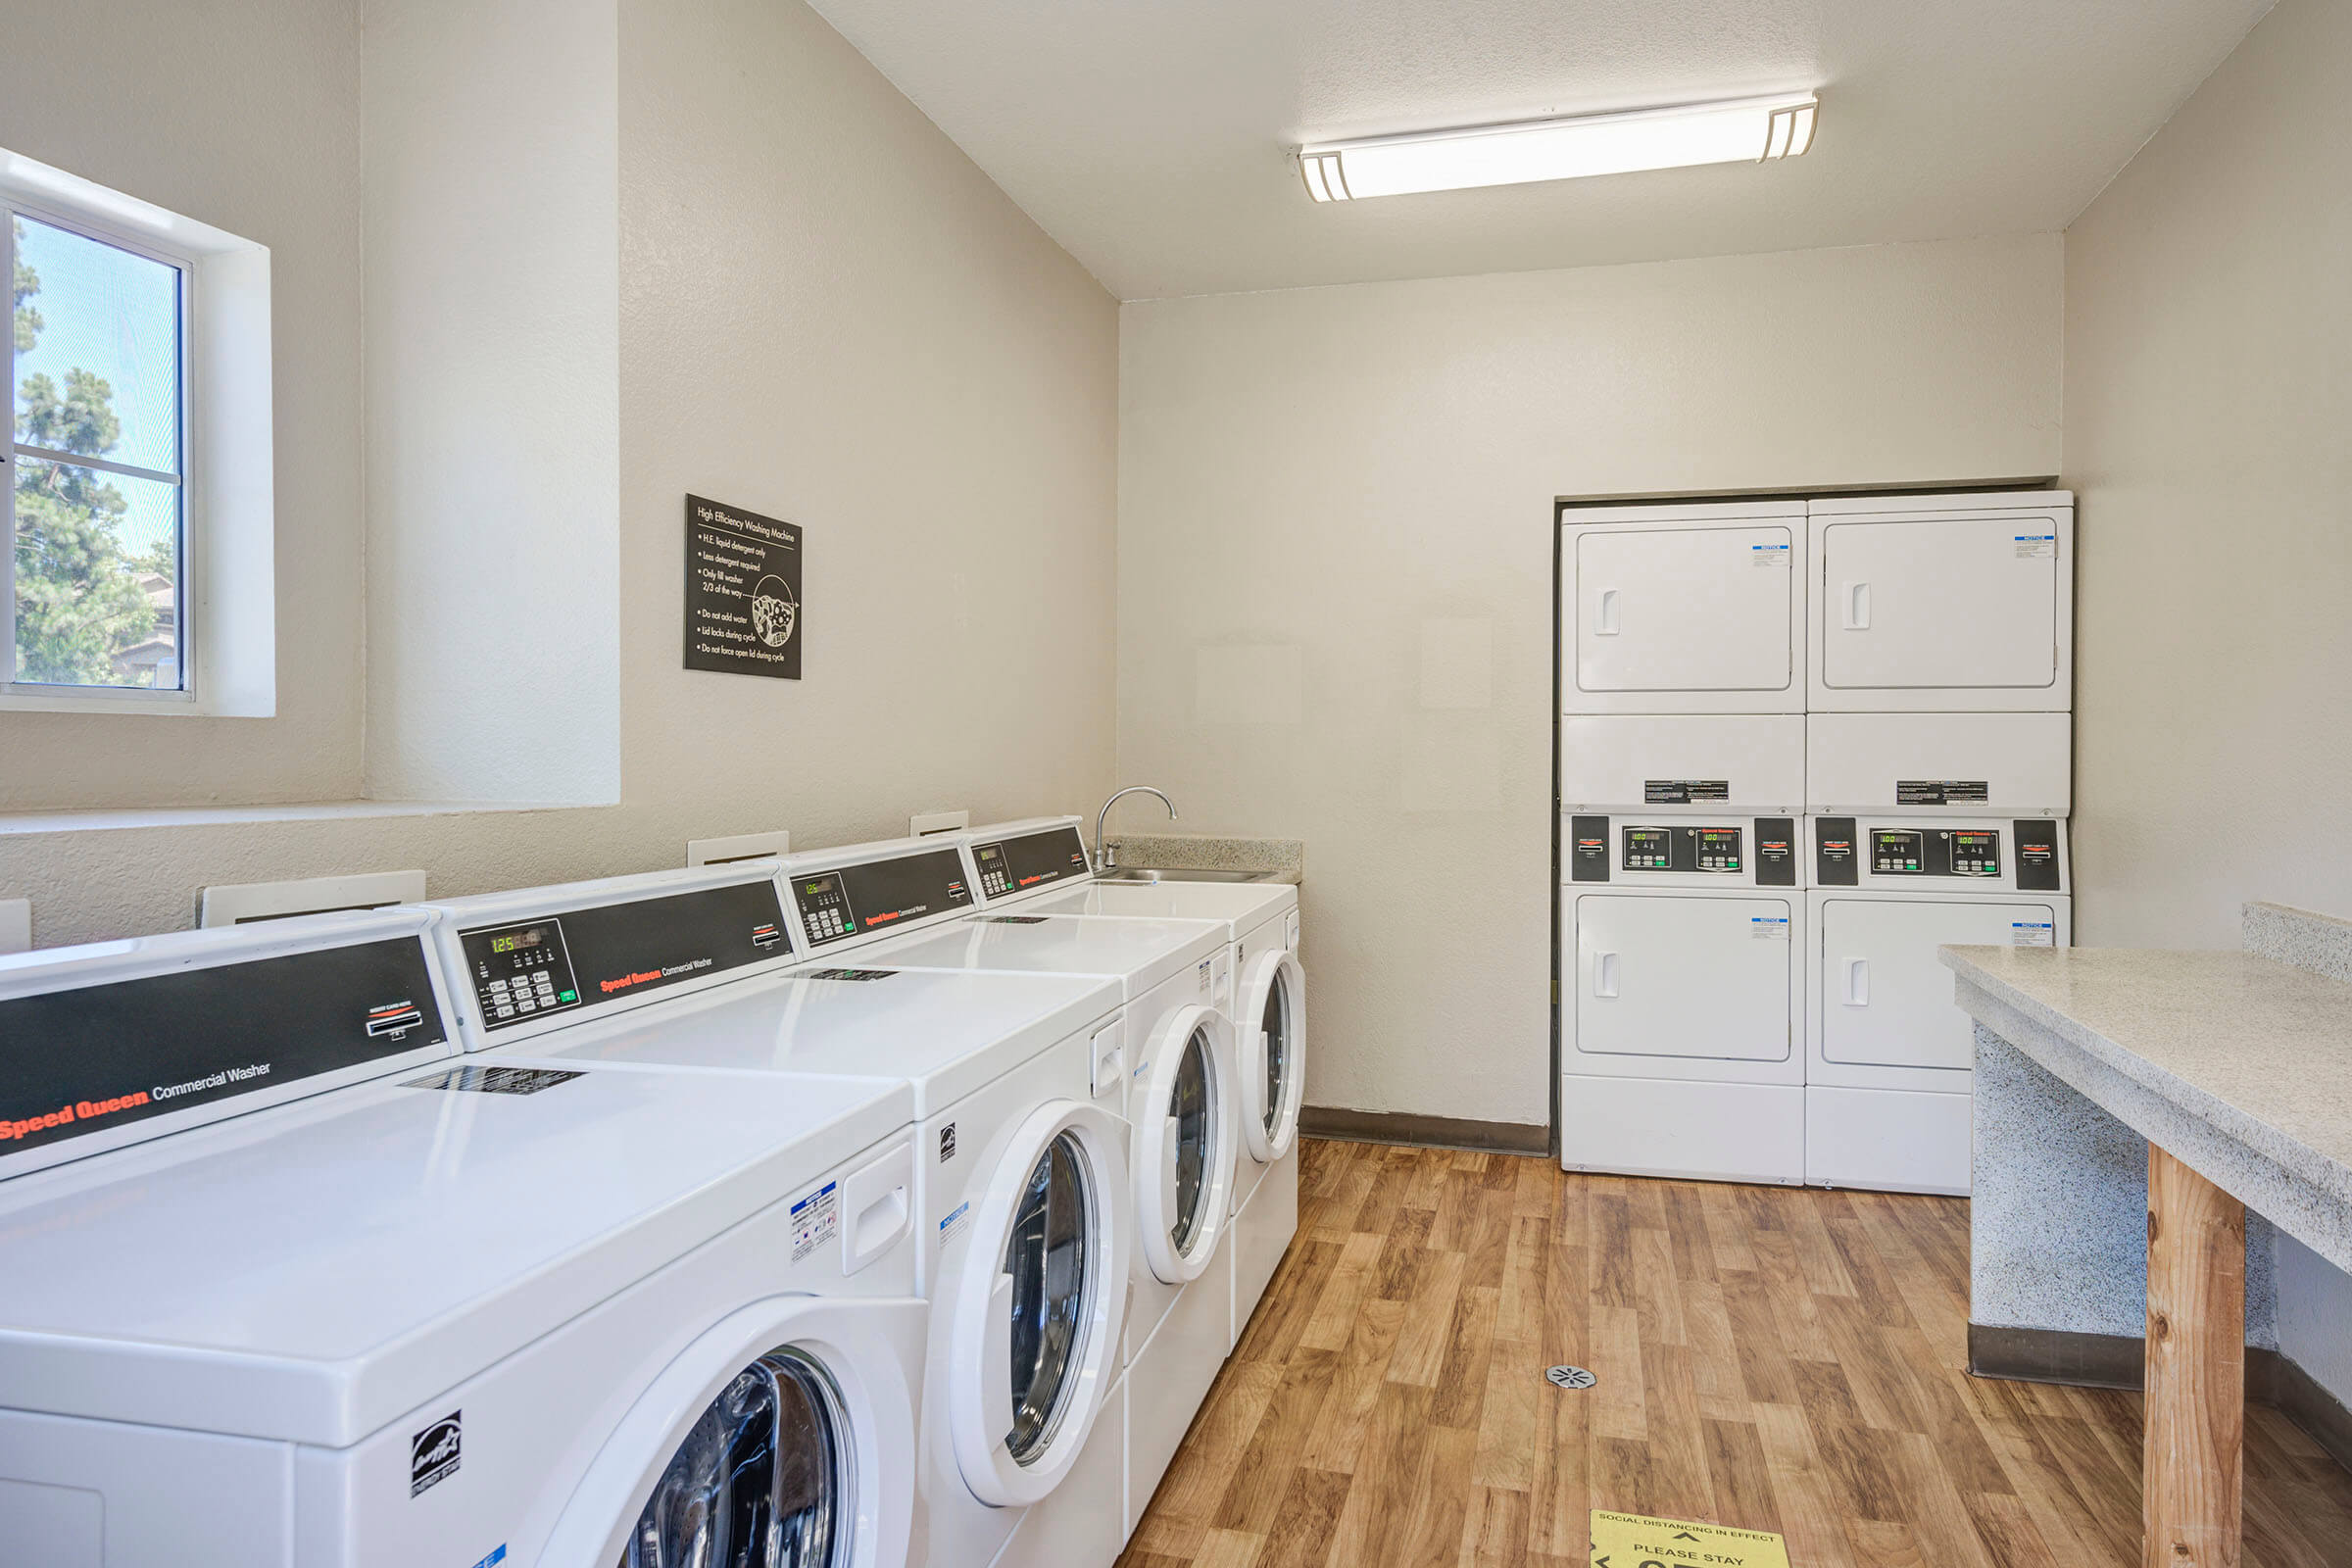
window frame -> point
(187, 553)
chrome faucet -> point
(1105, 857)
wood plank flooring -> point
(1773, 1358)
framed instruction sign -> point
(742, 592)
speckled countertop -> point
(1280, 859)
(2239, 1066)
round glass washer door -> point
(1273, 1053)
(764, 1479)
(1185, 1114)
(1038, 1303)
(776, 1440)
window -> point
(96, 509)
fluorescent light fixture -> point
(1740, 130)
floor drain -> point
(1570, 1377)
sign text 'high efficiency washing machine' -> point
(451, 1312)
(1043, 867)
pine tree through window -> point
(95, 511)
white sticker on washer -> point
(2036, 546)
(1201, 977)
(1769, 927)
(815, 1220)
(1768, 555)
(2031, 934)
(952, 1226)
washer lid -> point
(1185, 1111)
(1271, 1035)
(311, 1272)
(1039, 1300)
(946, 1033)
(1140, 953)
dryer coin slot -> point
(1834, 863)
(1776, 852)
(1588, 848)
(2038, 869)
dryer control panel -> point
(2020, 854)
(1757, 851)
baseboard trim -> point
(2119, 1361)
(1427, 1132)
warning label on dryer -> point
(1682, 791)
(2033, 934)
(1769, 927)
(1768, 555)
(815, 1220)
(1941, 790)
(2036, 546)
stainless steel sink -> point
(1147, 873)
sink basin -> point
(1147, 873)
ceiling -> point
(1152, 137)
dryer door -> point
(778, 1439)
(1683, 609)
(1039, 1306)
(1186, 1108)
(1888, 1000)
(1663, 976)
(1271, 1034)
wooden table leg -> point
(2193, 1463)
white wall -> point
(825, 312)
(240, 113)
(491, 135)
(2208, 332)
(1335, 564)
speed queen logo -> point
(433, 1453)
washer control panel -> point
(1029, 861)
(520, 972)
(878, 895)
(1684, 849)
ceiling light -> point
(1741, 130)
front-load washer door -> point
(1697, 977)
(1270, 1033)
(777, 1440)
(1040, 1304)
(1886, 999)
(1187, 1111)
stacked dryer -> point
(1741, 999)
(1938, 778)
(1682, 780)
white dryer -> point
(463, 1312)
(1681, 1000)
(1890, 1053)
(1268, 1011)
(1020, 1187)
(1942, 603)
(1182, 1101)
(1683, 608)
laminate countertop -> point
(2238, 1065)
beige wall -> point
(240, 113)
(2208, 400)
(1336, 558)
(827, 314)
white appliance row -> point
(1873, 604)
(599, 1224)
(1757, 998)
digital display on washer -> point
(876, 895)
(1895, 853)
(1976, 851)
(1648, 848)
(1031, 860)
(96, 1058)
(556, 962)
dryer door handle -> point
(1856, 600)
(1605, 625)
(1857, 982)
(1605, 974)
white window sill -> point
(28, 699)
(112, 820)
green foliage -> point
(22, 287)
(78, 600)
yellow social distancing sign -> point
(1636, 1541)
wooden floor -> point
(1772, 1358)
